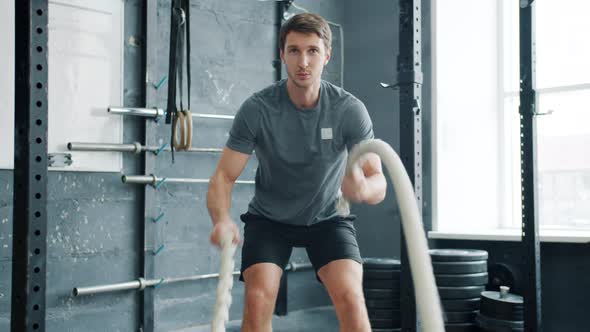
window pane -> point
(563, 159)
(468, 123)
(562, 47)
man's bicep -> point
(232, 163)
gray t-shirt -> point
(301, 153)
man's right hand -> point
(222, 227)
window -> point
(85, 77)
(476, 155)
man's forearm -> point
(219, 198)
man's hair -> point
(306, 23)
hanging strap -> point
(179, 34)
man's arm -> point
(365, 183)
(230, 166)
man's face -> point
(305, 56)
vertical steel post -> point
(149, 228)
(281, 302)
(409, 76)
(30, 167)
(530, 213)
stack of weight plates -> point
(501, 311)
(461, 276)
(381, 283)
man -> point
(300, 128)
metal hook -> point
(182, 16)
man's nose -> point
(303, 61)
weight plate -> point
(381, 263)
(502, 329)
(461, 327)
(467, 292)
(381, 274)
(382, 284)
(460, 316)
(380, 294)
(457, 255)
(459, 267)
(474, 279)
(385, 323)
(461, 304)
(491, 323)
(383, 304)
(508, 298)
(494, 308)
(384, 314)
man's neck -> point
(304, 98)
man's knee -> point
(350, 298)
(260, 298)
(262, 286)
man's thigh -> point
(263, 243)
(333, 240)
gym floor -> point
(315, 319)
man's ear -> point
(328, 55)
(282, 55)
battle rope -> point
(427, 299)
(225, 284)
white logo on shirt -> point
(326, 133)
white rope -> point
(427, 298)
(225, 284)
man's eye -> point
(293, 51)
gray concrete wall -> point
(233, 46)
(371, 47)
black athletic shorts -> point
(267, 241)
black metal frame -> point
(409, 81)
(280, 7)
(150, 230)
(530, 213)
(30, 167)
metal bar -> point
(409, 75)
(154, 180)
(530, 212)
(81, 291)
(133, 111)
(158, 113)
(554, 89)
(141, 284)
(135, 147)
(105, 147)
(29, 214)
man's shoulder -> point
(268, 95)
(338, 97)
(262, 101)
